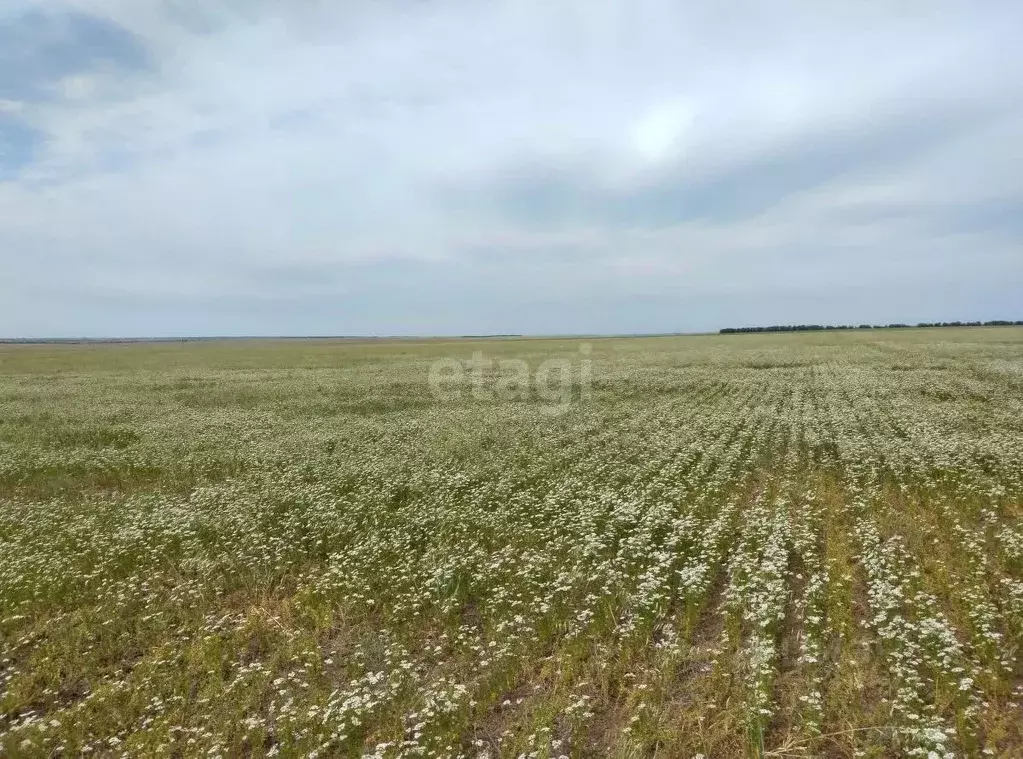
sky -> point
(426, 167)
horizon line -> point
(804, 327)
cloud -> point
(41, 48)
(170, 167)
(728, 190)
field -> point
(781, 545)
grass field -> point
(789, 545)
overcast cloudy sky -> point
(175, 167)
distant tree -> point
(894, 325)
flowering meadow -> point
(740, 545)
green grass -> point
(779, 544)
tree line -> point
(825, 327)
